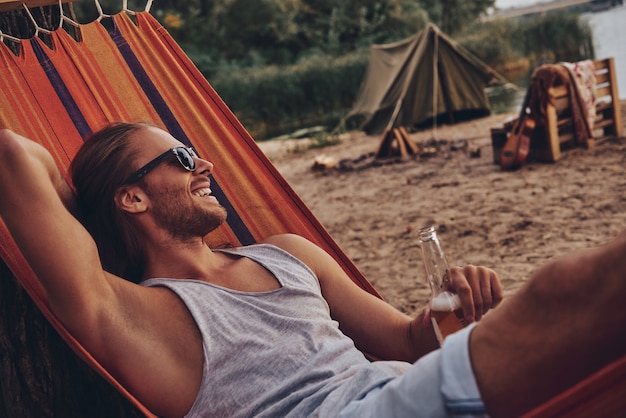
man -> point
(248, 332)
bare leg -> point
(568, 321)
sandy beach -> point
(512, 222)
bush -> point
(514, 47)
(563, 36)
(273, 100)
(492, 43)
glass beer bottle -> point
(445, 306)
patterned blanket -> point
(580, 80)
(583, 74)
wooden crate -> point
(558, 133)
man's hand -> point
(479, 289)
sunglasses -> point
(184, 155)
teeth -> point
(202, 192)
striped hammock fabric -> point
(136, 72)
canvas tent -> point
(401, 87)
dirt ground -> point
(512, 221)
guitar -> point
(517, 145)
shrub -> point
(273, 100)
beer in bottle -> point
(445, 306)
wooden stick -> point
(7, 5)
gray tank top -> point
(276, 353)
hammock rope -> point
(38, 29)
(64, 18)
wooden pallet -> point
(558, 132)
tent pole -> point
(394, 115)
(435, 82)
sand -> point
(512, 222)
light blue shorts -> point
(440, 384)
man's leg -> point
(440, 384)
(568, 321)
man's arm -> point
(133, 331)
(375, 326)
(34, 206)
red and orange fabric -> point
(136, 72)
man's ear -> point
(131, 199)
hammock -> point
(136, 72)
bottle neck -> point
(435, 263)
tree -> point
(342, 26)
(452, 16)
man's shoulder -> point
(303, 249)
(289, 242)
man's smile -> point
(205, 191)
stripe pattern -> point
(136, 72)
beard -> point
(174, 211)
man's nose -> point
(204, 167)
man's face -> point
(180, 200)
(184, 217)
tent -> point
(401, 88)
